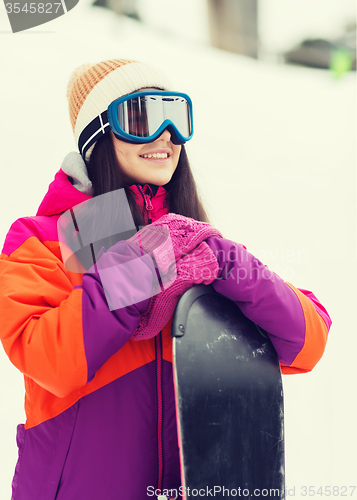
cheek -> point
(127, 158)
(119, 153)
(177, 153)
(123, 153)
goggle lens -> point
(143, 115)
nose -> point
(165, 136)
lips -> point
(157, 154)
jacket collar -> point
(72, 186)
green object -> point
(341, 62)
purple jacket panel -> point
(261, 295)
(104, 446)
(42, 453)
(131, 276)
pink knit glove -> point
(156, 241)
(172, 233)
(199, 266)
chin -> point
(161, 180)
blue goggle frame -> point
(163, 116)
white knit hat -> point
(92, 87)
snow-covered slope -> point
(274, 156)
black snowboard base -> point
(229, 400)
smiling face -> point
(151, 163)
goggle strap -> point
(93, 131)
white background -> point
(273, 154)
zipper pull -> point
(147, 200)
(148, 206)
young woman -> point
(95, 346)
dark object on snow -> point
(229, 398)
(121, 7)
(319, 53)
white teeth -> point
(156, 155)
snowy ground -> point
(274, 156)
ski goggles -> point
(141, 117)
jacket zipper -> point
(147, 202)
(158, 349)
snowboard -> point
(229, 400)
